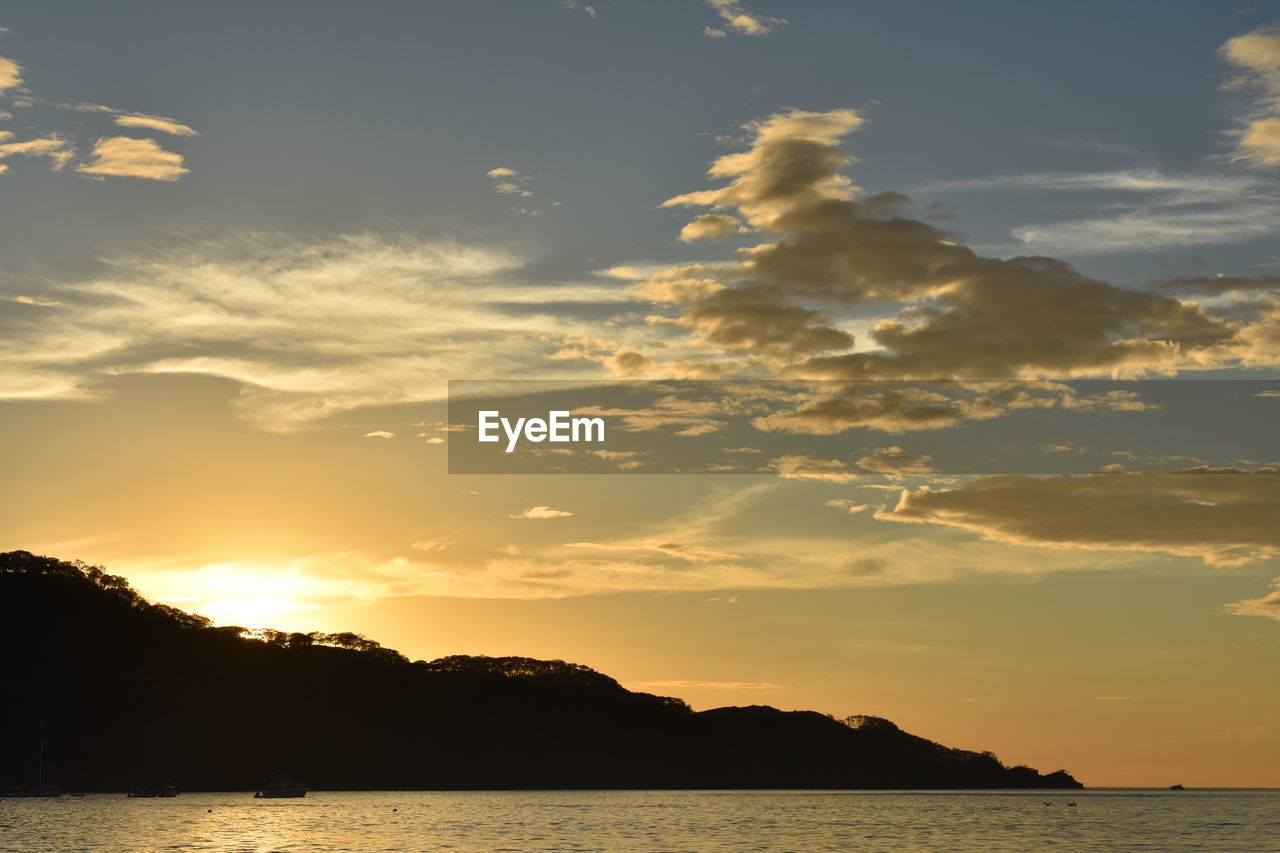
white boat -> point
(281, 786)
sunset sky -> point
(246, 245)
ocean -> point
(650, 821)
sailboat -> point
(41, 789)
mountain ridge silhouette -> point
(132, 693)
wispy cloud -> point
(1203, 208)
(158, 123)
(1186, 188)
(1151, 230)
(28, 300)
(681, 551)
(308, 328)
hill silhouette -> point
(134, 693)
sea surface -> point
(623, 821)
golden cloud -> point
(542, 513)
(962, 315)
(1224, 516)
(126, 157)
(158, 123)
(1257, 55)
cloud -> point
(805, 467)
(623, 460)
(1268, 605)
(541, 513)
(628, 363)
(57, 149)
(699, 547)
(893, 463)
(623, 273)
(681, 551)
(379, 433)
(307, 328)
(1220, 285)
(1187, 188)
(507, 181)
(27, 300)
(438, 544)
(10, 74)
(1257, 56)
(738, 20)
(574, 4)
(114, 156)
(827, 253)
(1224, 517)
(895, 408)
(126, 157)
(1146, 209)
(1146, 230)
(710, 226)
(618, 360)
(692, 417)
(158, 123)
(851, 507)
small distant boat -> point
(164, 792)
(1176, 788)
(40, 790)
(281, 786)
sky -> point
(938, 341)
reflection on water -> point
(624, 821)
